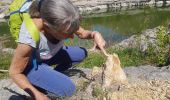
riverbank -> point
(100, 6)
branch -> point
(3, 71)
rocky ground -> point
(145, 83)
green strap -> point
(34, 32)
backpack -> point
(18, 13)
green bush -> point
(163, 46)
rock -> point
(2, 16)
(143, 85)
(97, 6)
(146, 39)
(10, 91)
(8, 50)
(113, 72)
(147, 73)
(168, 93)
(145, 90)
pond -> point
(121, 25)
(116, 26)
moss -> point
(97, 91)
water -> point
(119, 25)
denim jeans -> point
(47, 79)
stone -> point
(168, 93)
(113, 72)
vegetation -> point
(128, 57)
(5, 60)
(162, 48)
(97, 91)
(93, 59)
(157, 54)
(4, 29)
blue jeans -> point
(47, 79)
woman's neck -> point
(50, 37)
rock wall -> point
(98, 6)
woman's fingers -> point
(103, 50)
(99, 43)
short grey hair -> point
(61, 14)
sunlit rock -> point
(113, 73)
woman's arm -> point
(19, 63)
(84, 34)
(99, 42)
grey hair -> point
(60, 14)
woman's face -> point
(59, 35)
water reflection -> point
(120, 25)
(109, 33)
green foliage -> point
(163, 44)
(159, 52)
(93, 59)
(97, 91)
(8, 42)
(128, 57)
(4, 75)
(4, 29)
(5, 60)
(131, 57)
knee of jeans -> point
(69, 91)
(85, 53)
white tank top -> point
(45, 49)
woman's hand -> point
(41, 96)
(99, 42)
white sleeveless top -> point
(45, 49)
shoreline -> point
(101, 6)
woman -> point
(30, 68)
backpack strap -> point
(24, 8)
(34, 60)
(34, 32)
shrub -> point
(159, 53)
